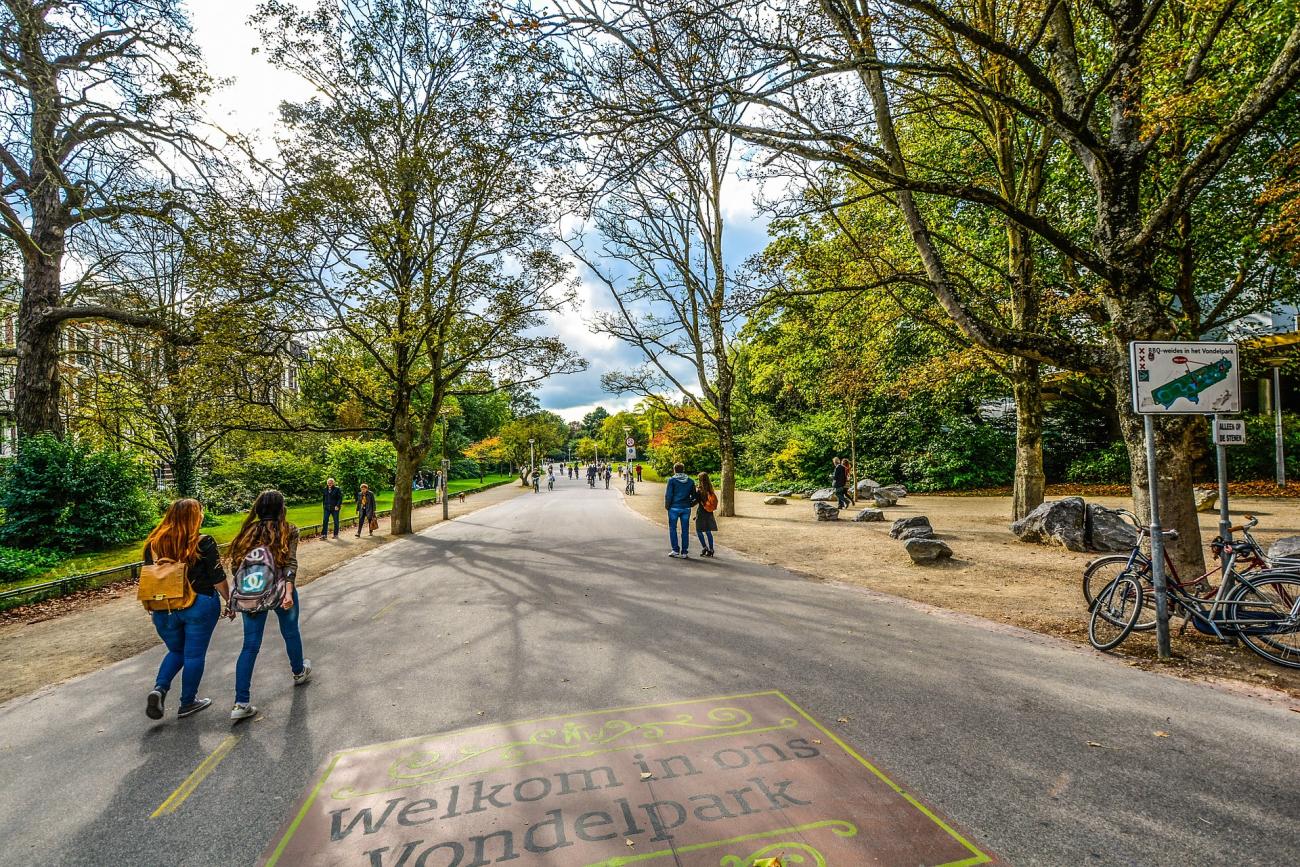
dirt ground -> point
(52, 641)
(991, 575)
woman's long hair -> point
(177, 536)
(704, 484)
(265, 525)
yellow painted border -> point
(977, 856)
(186, 788)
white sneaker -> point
(303, 676)
(242, 711)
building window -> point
(83, 356)
(9, 331)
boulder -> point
(902, 524)
(883, 498)
(1056, 522)
(1108, 531)
(924, 532)
(785, 493)
(1206, 499)
(897, 491)
(927, 550)
(1286, 548)
(774, 501)
(869, 515)
(826, 512)
(867, 486)
(822, 494)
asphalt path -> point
(564, 601)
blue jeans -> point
(684, 517)
(254, 626)
(186, 634)
(705, 543)
(325, 524)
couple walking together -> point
(333, 503)
(264, 560)
(680, 495)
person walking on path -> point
(705, 522)
(609, 474)
(840, 481)
(366, 510)
(638, 472)
(679, 496)
(187, 631)
(333, 505)
(267, 527)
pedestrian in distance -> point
(705, 522)
(840, 482)
(366, 510)
(638, 472)
(264, 559)
(177, 546)
(679, 496)
(550, 478)
(609, 474)
(333, 505)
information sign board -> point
(1185, 378)
(1229, 432)
(631, 453)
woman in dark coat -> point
(705, 524)
(365, 509)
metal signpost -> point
(446, 472)
(1227, 432)
(1178, 378)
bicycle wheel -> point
(1271, 598)
(1115, 612)
(1102, 571)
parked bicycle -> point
(1253, 602)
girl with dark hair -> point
(705, 524)
(266, 526)
(186, 631)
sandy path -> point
(107, 627)
(991, 575)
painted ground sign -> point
(726, 782)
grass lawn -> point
(303, 515)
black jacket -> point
(206, 572)
(841, 476)
(333, 497)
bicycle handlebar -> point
(1251, 521)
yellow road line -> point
(185, 789)
(382, 611)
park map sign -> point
(1191, 377)
(738, 781)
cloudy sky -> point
(249, 102)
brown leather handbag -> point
(164, 586)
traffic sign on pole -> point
(1229, 432)
(631, 441)
(631, 453)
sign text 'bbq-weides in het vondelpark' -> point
(1188, 377)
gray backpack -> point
(258, 584)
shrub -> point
(1256, 459)
(224, 497)
(1109, 465)
(61, 495)
(296, 476)
(17, 564)
(351, 462)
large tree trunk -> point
(403, 497)
(1026, 386)
(184, 463)
(36, 386)
(727, 448)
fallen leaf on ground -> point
(842, 719)
(1161, 734)
(646, 776)
(630, 842)
(814, 740)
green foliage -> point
(547, 430)
(63, 496)
(18, 564)
(1109, 465)
(350, 462)
(1256, 459)
(298, 477)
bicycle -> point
(1258, 604)
(629, 486)
(1100, 572)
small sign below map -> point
(1229, 432)
(1192, 377)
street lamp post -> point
(532, 462)
(445, 466)
(1279, 452)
